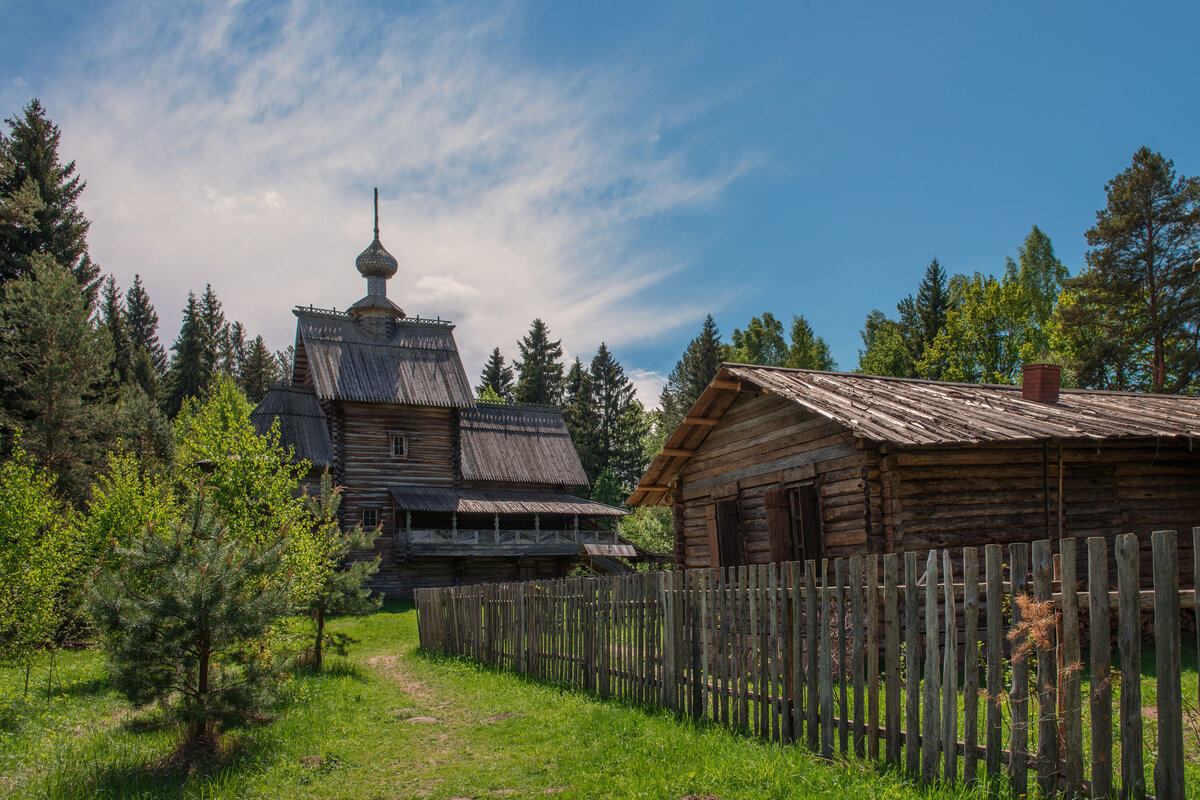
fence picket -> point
(930, 703)
(949, 677)
(1129, 643)
(891, 657)
(839, 576)
(857, 645)
(912, 667)
(970, 664)
(1100, 650)
(826, 677)
(1019, 761)
(1069, 674)
(1047, 745)
(1168, 770)
(812, 670)
(872, 656)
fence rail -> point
(838, 655)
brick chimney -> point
(1040, 382)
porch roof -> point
(488, 501)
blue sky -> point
(618, 169)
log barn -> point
(459, 491)
(775, 464)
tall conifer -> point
(695, 368)
(258, 372)
(620, 422)
(113, 320)
(540, 369)
(60, 229)
(497, 375)
(191, 369)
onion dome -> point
(375, 261)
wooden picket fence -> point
(842, 663)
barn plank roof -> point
(417, 365)
(301, 423)
(490, 501)
(908, 412)
(520, 445)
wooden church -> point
(460, 491)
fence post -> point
(1019, 762)
(971, 664)
(1069, 675)
(1100, 649)
(1047, 749)
(858, 646)
(912, 668)
(839, 579)
(891, 657)
(950, 677)
(811, 638)
(872, 653)
(931, 729)
(994, 575)
(826, 679)
(1129, 642)
(1168, 771)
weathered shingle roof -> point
(489, 501)
(302, 423)
(907, 412)
(417, 365)
(521, 445)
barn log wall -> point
(972, 496)
(765, 442)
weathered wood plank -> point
(970, 665)
(1168, 770)
(1069, 675)
(826, 656)
(930, 700)
(1129, 643)
(811, 640)
(912, 666)
(1047, 745)
(949, 676)
(872, 656)
(1100, 650)
(891, 657)
(1018, 765)
(839, 571)
(857, 643)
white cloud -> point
(238, 145)
(648, 384)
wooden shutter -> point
(779, 524)
(714, 542)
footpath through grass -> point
(390, 722)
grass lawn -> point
(353, 732)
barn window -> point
(729, 547)
(399, 445)
(370, 518)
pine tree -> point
(194, 642)
(540, 369)
(620, 422)
(284, 360)
(19, 203)
(191, 371)
(341, 591)
(258, 372)
(214, 331)
(113, 321)
(497, 375)
(53, 365)
(231, 350)
(692, 373)
(1134, 322)
(60, 229)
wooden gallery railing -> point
(793, 653)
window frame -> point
(392, 437)
(374, 510)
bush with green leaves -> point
(185, 616)
(341, 589)
(38, 554)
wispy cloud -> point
(237, 145)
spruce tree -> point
(231, 350)
(213, 330)
(113, 321)
(923, 317)
(540, 369)
(692, 373)
(18, 202)
(258, 372)
(53, 367)
(60, 229)
(284, 360)
(191, 370)
(621, 422)
(579, 414)
(807, 350)
(1134, 321)
(142, 323)
(497, 375)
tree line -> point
(82, 369)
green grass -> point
(345, 733)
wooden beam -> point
(701, 421)
(723, 384)
(652, 489)
(674, 451)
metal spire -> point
(376, 212)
